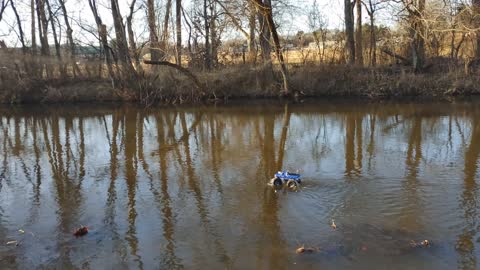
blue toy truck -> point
(292, 180)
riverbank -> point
(245, 82)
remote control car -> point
(291, 180)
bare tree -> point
(20, 29)
(43, 27)
(3, 6)
(165, 35)
(372, 7)
(32, 15)
(121, 41)
(208, 57)
(318, 26)
(54, 32)
(417, 32)
(476, 11)
(178, 20)
(264, 32)
(349, 31)
(76, 69)
(102, 33)
(266, 9)
(131, 37)
(152, 27)
(358, 34)
(251, 34)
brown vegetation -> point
(178, 85)
(434, 52)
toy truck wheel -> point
(292, 184)
(277, 182)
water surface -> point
(185, 187)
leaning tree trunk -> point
(3, 6)
(349, 31)
(122, 47)
(268, 15)
(73, 61)
(131, 38)
(178, 19)
(20, 29)
(102, 33)
(358, 34)
(165, 35)
(55, 40)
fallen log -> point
(183, 70)
(397, 56)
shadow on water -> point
(182, 187)
(466, 239)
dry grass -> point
(25, 79)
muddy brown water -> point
(185, 187)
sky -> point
(297, 20)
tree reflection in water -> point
(197, 176)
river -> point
(186, 187)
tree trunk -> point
(349, 32)
(43, 33)
(373, 41)
(131, 37)
(252, 52)
(208, 58)
(55, 38)
(34, 40)
(417, 33)
(213, 33)
(178, 14)
(165, 36)
(152, 27)
(40, 35)
(476, 6)
(71, 44)
(122, 47)
(3, 6)
(264, 34)
(358, 34)
(452, 43)
(178, 21)
(20, 30)
(459, 45)
(268, 15)
(102, 33)
(43, 27)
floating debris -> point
(334, 226)
(21, 231)
(12, 243)
(83, 230)
(421, 244)
(304, 249)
